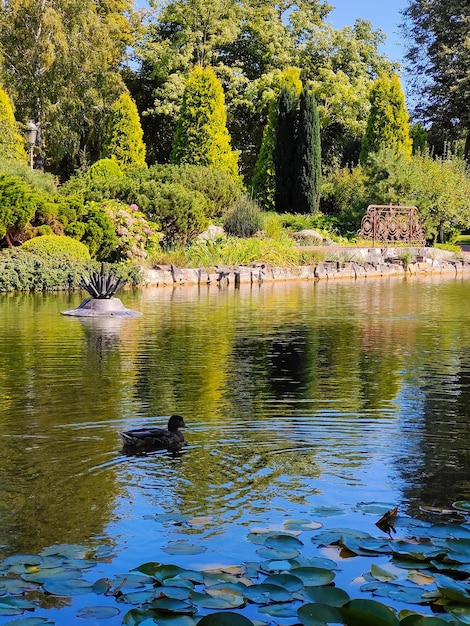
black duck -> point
(142, 439)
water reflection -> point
(296, 396)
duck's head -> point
(175, 422)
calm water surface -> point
(298, 396)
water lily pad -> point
(265, 593)
(70, 551)
(451, 589)
(332, 596)
(283, 542)
(183, 547)
(410, 595)
(368, 613)
(424, 620)
(386, 572)
(225, 619)
(287, 581)
(67, 588)
(280, 610)
(172, 605)
(274, 553)
(302, 524)
(327, 511)
(462, 613)
(314, 576)
(223, 601)
(316, 561)
(462, 505)
(374, 508)
(177, 593)
(98, 612)
(50, 574)
(22, 559)
(137, 597)
(318, 615)
(275, 566)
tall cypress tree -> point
(308, 156)
(387, 124)
(284, 151)
(11, 142)
(263, 182)
(124, 142)
(202, 137)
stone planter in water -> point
(102, 288)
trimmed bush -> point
(57, 246)
(245, 219)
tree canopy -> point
(438, 61)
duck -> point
(143, 439)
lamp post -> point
(31, 134)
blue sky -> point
(382, 14)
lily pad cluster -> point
(426, 569)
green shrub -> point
(17, 204)
(245, 219)
(21, 270)
(182, 214)
(57, 246)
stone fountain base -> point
(101, 307)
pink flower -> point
(134, 207)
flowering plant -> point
(137, 235)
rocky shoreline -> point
(343, 263)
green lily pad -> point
(318, 615)
(172, 605)
(222, 601)
(327, 511)
(50, 574)
(332, 596)
(183, 547)
(287, 581)
(138, 617)
(22, 559)
(70, 551)
(316, 561)
(302, 524)
(423, 620)
(379, 588)
(409, 595)
(280, 610)
(451, 589)
(420, 552)
(314, 576)
(265, 593)
(177, 593)
(462, 505)
(462, 613)
(98, 612)
(368, 613)
(275, 566)
(67, 588)
(374, 508)
(386, 572)
(137, 597)
(283, 542)
(274, 553)
(225, 619)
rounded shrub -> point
(104, 169)
(57, 246)
(245, 219)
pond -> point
(304, 401)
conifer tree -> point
(201, 136)
(263, 181)
(308, 156)
(11, 142)
(124, 142)
(285, 151)
(387, 124)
